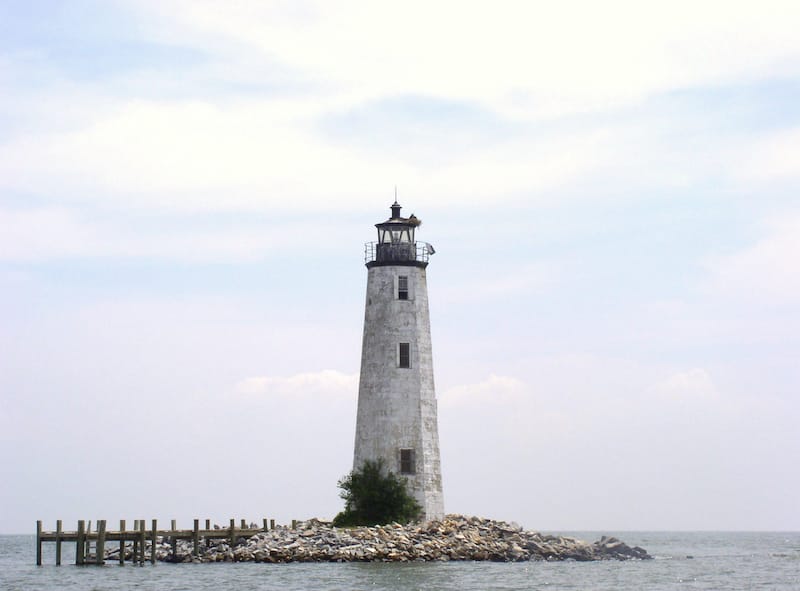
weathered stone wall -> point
(397, 406)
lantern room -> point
(396, 243)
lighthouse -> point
(396, 419)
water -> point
(720, 561)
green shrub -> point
(374, 496)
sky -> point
(612, 189)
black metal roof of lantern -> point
(396, 243)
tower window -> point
(402, 287)
(404, 357)
(407, 461)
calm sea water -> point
(718, 561)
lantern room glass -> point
(401, 235)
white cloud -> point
(495, 388)
(517, 61)
(524, 58)
(694, 384)
(776, 156)
(767, 271)
(37, 234)
(184, 155)
(325, 383)
(267, 155)
(581, 432)
(501, 411)
(58, 233)
(496, 285)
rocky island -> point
(455, 537)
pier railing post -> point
(233, 533)
(135, 553)
(142, 541)
(58, 542)
(122, 541)
(173, 541)
(39, 543)
(88, 549)
(196, 538)
(80, 543)
(153, 536)
(100, 546)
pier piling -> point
(58, 543)
(100, 544)
(39, 543)
(80, 542)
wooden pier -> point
(138, 538)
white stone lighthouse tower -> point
(396, 399)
